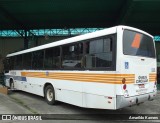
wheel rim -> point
(49, 94)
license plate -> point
(141, 91)
(141, 86)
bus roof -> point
(103, 32)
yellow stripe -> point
(56, 75)
(85, 77)
(67, 74)
(84, 74)
(152, 77)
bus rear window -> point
(138, 44)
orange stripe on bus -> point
(84, 74)
(84, 77)
(152, 77)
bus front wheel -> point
(11, 84)
(50, 95)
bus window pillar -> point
(25, 40)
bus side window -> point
(52, 58)
(48, 61)
(98, 53)
(37, 60)
(11, 62)
(6, 65)
(18, 62)
(56, 57)
(27, 57)
(72, 56)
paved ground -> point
(19, 102)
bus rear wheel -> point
(50, 95)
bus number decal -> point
(142, 79)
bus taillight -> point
(123, 80)
(124, 87)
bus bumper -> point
(122, 101)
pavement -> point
(18, 102)
(37, 105)
(9, 106)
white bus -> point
(108, 69)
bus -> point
(107, 69)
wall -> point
(45, 40)
(9, 45)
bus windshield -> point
(138, 44)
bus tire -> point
(50, 95)
(11, 84)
